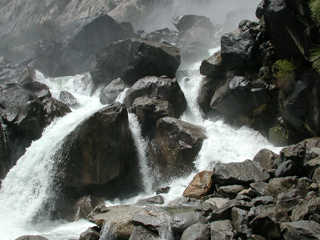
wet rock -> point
(199, 186)
(68, 99)
(110, 93)
(163, 190)
(185, 22)
(149, 111)
(211, 65)
(97, 154)
(161, 35)
(92, 233)
(175, 146)
(221, 230)
(28, 75)
(230, 191)
(140, 233)
(300, 230)
(162, 88)
(238, 173)
(41, 90)
(133, 59)
(197, 231)
(83, 207)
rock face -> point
(98, 154)
(175, 145)
(199, 186)
(133, 59)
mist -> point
(227, 13)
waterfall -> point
(28, 185)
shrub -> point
(315, 16)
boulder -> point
(224, 212)
(31, 237)
(41, 90)
(160, 88)
(265, 200)
(200, 185)
(186, 22)
(242, 173)
(221, 230)
(306, 208)
(28, 75)
(240, 222)
(266, 159)
(110, 93)
(175, 146)
(161, 35)
(300, 230)
(152, 200)
(197, 231)
(288, 168)
(181, 221)
(79, 42)
(212, 65)
(133, 59)
(140, 233)
(98, 153)
(149, 111)
(285, 21)
(83, 207)
(68, 99)
(230, 191)
(92, 233)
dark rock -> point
(83, 207)
(280, 185)
(258, 188)
(97, 154)
(68, 99)
(185, 22)
(239, 49)
(41, 90)
(163, 190)
(10, 72)
(31, 237)
(152, 200)
(110, 93)
(285, 21)
(240, 222)
(175, 146)
(265, 200)
(310, 166)
(80, 41)
(224, 212)
(316, 175)
(266, 159)
(211, 65)
(28, 75)
(162, 35)
(54, 108)
(133, 59)
(242, 173)
(149, 111)
(230, 191)
(92, 233)
(165, 89)
(300, 230)
(181, 221)
(288, 168)
(267, 221)
(197, 231)
(140, 233)
(306, 208)
(221, 230)
(199, 186)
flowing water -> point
(28, 184)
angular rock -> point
(140, 233)
(28, 75)
(238, 173)
(288, 168)
(110, 93)
(149, 111)
(31, 237)
(258, 188)
(266, 158)
(92, 233)
(152, 200)
(240, 222)
(181, 221)
(230, 191)
(306, 208)
(265, 200)
(68, 99)
(185, 22)
(41, 90)
(83, 207)
(175, 146)
(211, 65)
(221, 230)
(197, 231)
(133, 59)
(280, 185)
(310, 166)
(199, 186)
(300, 230)
(98, 153)
(162, 88)
(224, 212)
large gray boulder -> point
(133, 59)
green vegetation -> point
(315, 15)
(284, 72)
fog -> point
(225, 12)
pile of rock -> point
(270, 197)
